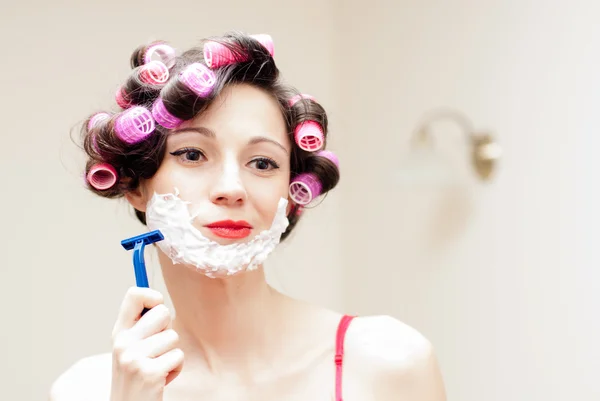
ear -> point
(137, 198)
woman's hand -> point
(145, 357)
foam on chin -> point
(184, 244)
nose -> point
(228, 189)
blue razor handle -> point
(138, 244)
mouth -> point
(230, 229)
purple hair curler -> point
(304, 188)
(309, 136)
(198, 78)
(102, 176)
(121, 99)
(165, 52)
(93, 122)
(96, 119)
(162, 115)
(154, 73)
(134, 125)
(331, 156)
(218, 55)
(297, 98)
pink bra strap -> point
(339, 354)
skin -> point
(236, 337)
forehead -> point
(243, 111)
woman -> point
(216, 152)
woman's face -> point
(232, 163)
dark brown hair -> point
(137, 162)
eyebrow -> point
(200, 130)
(210, 134)
(260, 139)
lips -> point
(230, 229)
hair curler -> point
(309, 136)
(165, 52)
(162, 115)
(297, 98)
(93, 122)
(96, 119)
(198, 78)
(121, 98)
(331, 156)
(154, 73)
(102, 176)
(134, 125)
(304, 188)
(218, 55)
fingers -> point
(156, 345)
(154, 321)
(136, 299)
(171, 362)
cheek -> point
(265, 196)
(169, 180)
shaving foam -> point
(185, 244)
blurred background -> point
(500, 274)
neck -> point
(234, 322)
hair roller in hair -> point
(331, 156)
(97, 119)
(134, 125)
(154, 73)
(199, 79)
(121, 99)
(266, 41)
(165, 52)
(93, 122)
(162, 115)
(304, 188)
(309, 136)
(297, 98)
(218, 55)
(102, 176)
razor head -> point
(147, 239)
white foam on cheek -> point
(185, 244)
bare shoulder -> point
(399, 362)
(86, 380)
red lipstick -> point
(230, 229)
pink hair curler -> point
(218, 55)
(297, 98)
(304, 188)
(162, 115)
(331, 156)
(266, 41)
(122, 99)
(154, 73)
(198, 78)
(134, 125)
(96, 119)
(309, 136)
(165, 52)
(102, 176)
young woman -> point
(213, 149)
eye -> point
(189, 155)
(264, 164)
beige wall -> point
(502, 277)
